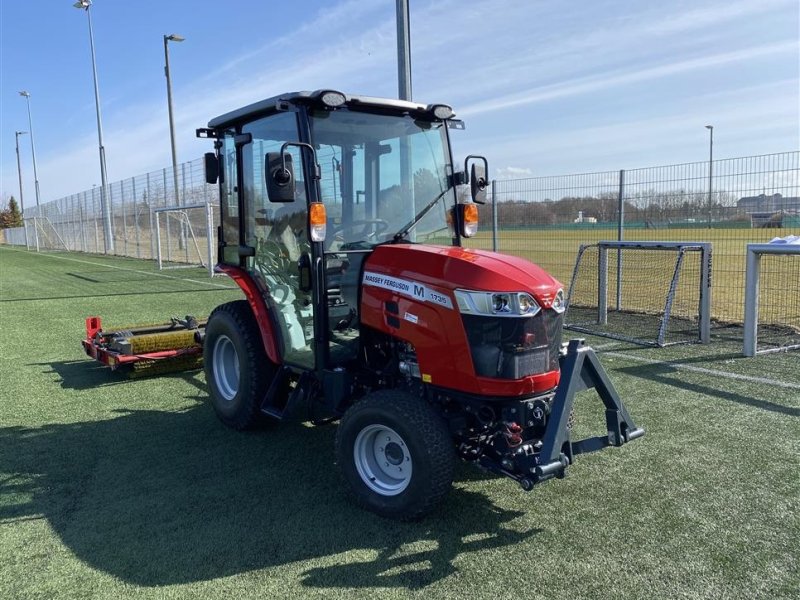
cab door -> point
(276, 235)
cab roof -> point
(270, 105)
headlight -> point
(559, 303)
(499, 304)
(527, 305)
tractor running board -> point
(580, 370)
(284, 404)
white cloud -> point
(607, 81)
(618, 142)
(513, 173)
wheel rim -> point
(226, 367)
(383, 460)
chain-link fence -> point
(745, 200)
(75, 222)
(729, 203)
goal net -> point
(649, 293)
(772, 298)
(184, 236)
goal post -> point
(195, 223)
(663, 291)
(785, 322)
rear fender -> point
(259, 307)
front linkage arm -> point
(580, 370)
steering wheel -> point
(381, 225)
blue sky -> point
(544, 87)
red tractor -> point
(341, 223)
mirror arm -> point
(317, 170)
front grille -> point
(554, 323)
(513, 348)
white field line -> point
(96, 264)
(680, 366)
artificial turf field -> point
(116, 488)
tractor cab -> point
(311, 184)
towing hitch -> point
(530, 464)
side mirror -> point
(279, 175)
(477, 181)
(211, 167)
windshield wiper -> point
(418, 217)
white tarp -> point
(789, 239)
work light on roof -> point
(332, 98)
(441, 111)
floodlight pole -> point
(108, 233)
(403, 51)
(27, 97)
(167, 39)
(21, 201)
(404, 93)
(710, 168)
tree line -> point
(649, 206)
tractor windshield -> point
(379, 173)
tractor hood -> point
(450, 268)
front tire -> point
(237, 369)
(395, 455)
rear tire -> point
(395, 454)
(237, 369)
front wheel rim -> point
(225, 362)
(383, 460)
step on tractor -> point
(342, 221)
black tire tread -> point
(421, 420)
(260, 374)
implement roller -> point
(147, 349)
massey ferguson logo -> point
(411, 289)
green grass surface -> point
(113, 488)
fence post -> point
(620, 235)
(150, 209)
(96, 231)
(74, 227)
(36, 227)
(74, 240)
(602, 285)
(81, 202)
(124, 216)
(169, 238)
(158, 242)
(494, 215)
(136, 219)
(210, 238)
(111, 212)
(183, 224)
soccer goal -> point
(185, 237)
(772, 298)
(648, 293)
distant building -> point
(769, 204)
(582, 219)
